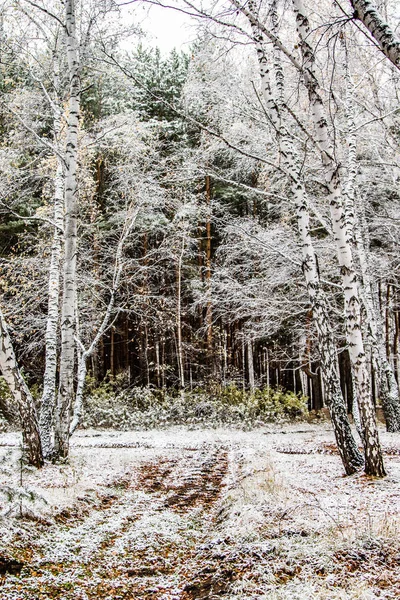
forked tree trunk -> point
(21, 395)
(68, 317)
(372, 450)
(87, 353)
(351, 457)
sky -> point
(166, 28)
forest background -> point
(221, 223)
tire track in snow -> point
(133, 541)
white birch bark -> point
(22, 396)
(278, 69)
(366, 12)
(49, 379)
(67, 357)
(388, 387)
(372, 450)
(350, 455)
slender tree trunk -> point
(49, 379)
(179, 342)
(243, 365)
(146, 353)
(250, 366)
(387, 321)
(372, 450)
(388, 387)
(358, 234)
(22, 396)
(50, 373)
(86, 354)
(224, 362)
(163, 379)
(112, 353)
(348, 450)
(68, 316)
(396, 343)
(157, 351)
(209, 323)
(146, 303)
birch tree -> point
(51, 339)
(60, 31)
(372, 450)
(357, 229)
(68, 316)
(346, 444)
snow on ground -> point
(186, 514)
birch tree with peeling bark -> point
(372, 450)
(388, 387)
(68, 316)
(60, 31)
(51, 339)
(350, 455)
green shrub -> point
(145, 407)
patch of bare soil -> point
(197, 482)
(379, 563)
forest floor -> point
(185, 515)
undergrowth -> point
(146, 407)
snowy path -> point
(185, 515)
(132, 540)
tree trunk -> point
(22, 396)
(358, 234)
(250, 366)
(209, 323)
(372, 450)
(179, 343)
(387, 384)
(50, 374)
(366, 12)
(348, 450)
(112, 352)
(86, 354)
(68, 317)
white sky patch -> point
(164, 27)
